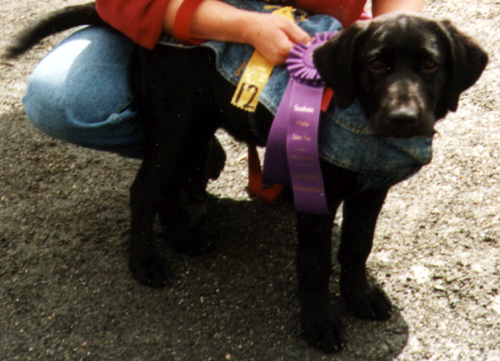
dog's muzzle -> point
(402, 111)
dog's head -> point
(407, 70)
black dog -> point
(408, 71)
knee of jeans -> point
(63, 110)
(48, 111)
(41, 104)
(80, 83)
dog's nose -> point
(403, 116)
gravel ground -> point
(66, 293)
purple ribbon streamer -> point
(292, 145)
(302, 149)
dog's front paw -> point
(150, 271)
(323, 332)
(321, 328)
(370, 303)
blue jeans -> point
(80, 92)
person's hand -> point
(273, 35)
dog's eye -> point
(428, 65)
(377, 65)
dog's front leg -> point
(360, 217)
(314, 264)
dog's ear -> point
(467, 62)
(335, 60)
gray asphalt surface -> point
(66, 293)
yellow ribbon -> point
(256, 74)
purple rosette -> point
(300, 63)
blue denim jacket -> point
(345, 138)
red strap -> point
(183, 21)
(255, 179)
(327, 97)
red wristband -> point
(183, 21)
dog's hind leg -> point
(156, 188)
(183, 227)
(358, 227)
(144, 263)
(177, 129)
(206, 165)
(169, 153)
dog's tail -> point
(57, 21)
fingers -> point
(274, 36)
(279, 51)
(295, 33)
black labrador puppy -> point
(406, 70)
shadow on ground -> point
(66, 290)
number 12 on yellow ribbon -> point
(252, 82)
(256, 75)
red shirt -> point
(345, 11)
(142, 20)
